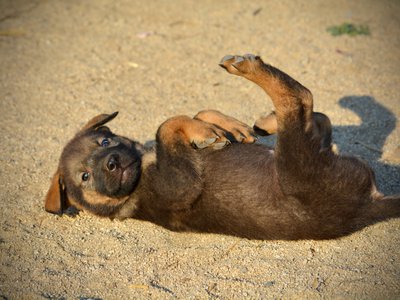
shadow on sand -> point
(368, 139)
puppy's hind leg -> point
(293, 102)
(297, 153)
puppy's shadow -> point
(377, 122)
(367, 139)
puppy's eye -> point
(85, 176)
(105, 143)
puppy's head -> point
(97, 172)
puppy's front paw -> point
(235, 130)
(241, 65)
(182, 130)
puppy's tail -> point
(380, 209)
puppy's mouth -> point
(128, 173)
(129, 176)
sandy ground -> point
(63, 62)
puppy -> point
(196, 179)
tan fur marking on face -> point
(93, 197)
(75, 204)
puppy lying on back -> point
(197, 180)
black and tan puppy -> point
(196, 180)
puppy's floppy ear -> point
(56, 198)
(99, 121)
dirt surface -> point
(63, 62)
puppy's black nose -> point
(113, 162)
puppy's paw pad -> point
(226, 58)
(251, 57)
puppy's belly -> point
(241, 194)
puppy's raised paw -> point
(241, 65)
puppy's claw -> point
(238, 61)
(210, 143)
(220, 145)
(203, 143)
